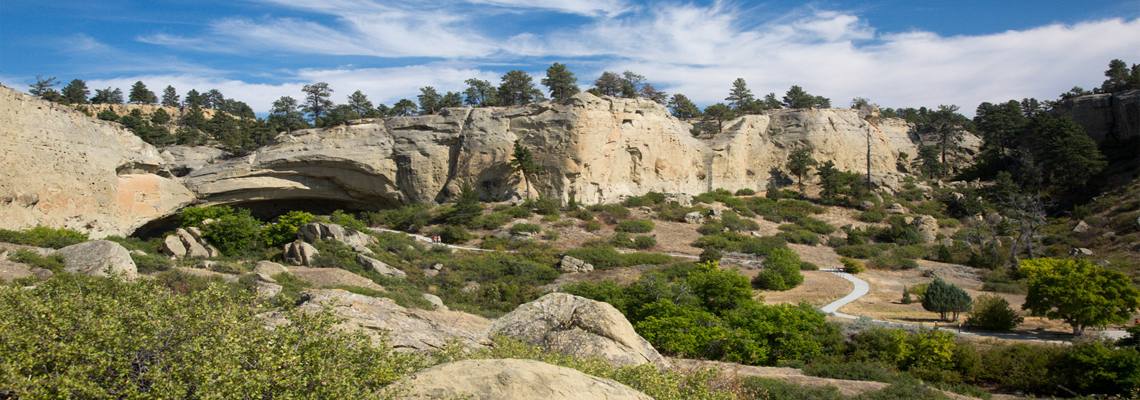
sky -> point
(897, 53)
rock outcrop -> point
(1106, 115)
(405, 330)
(323, 231)
(509, 379)
(575, 325)
(592, 149)
(99, 258)
(300, 253)
(64, 169)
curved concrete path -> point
(861, 288)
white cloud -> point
(606, 8)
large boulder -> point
(65, 169)
(99, 258)
(571, 264)
(300, 253)
(319, 230)
(379, 266)
(383, 320)
(927, 227)
(509, 379)
(269, 268)
(580, 326)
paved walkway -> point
(861, 288)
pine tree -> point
(740, 97)
(906, 299)
(141, 95)
(523, 161)
(800, 164)
(75, 92)
(946, 299)
(170, 96)
(561, 82)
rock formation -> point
(64, 169)
(1106, 115)
(592, 149)
(380, 318)
(99, 258)
(509, 379)
(575, 325)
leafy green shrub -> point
(781, 271)
(808, 266)
(859, 251)
(852, 266)
(545, 206)
(800, 237)
(872, 215)
(745, 192)
(733, 222)
(592, 226)
(711, 226)
(553, 218)
(815, 225)
(143, 340)
(763, 246)
(233, 233)
(635, 226)
(347, 220)
(53, 262)
(948, 223)
(612, 212)
(285, 230)
(946, 299)
(853, 371)
(644, 242)
(639, 258)
(993, 313)
(194, 216)
(710, 254)
(42, 236)
(602, 257)
(525, 227)
(147, 263)
(903, 391)
(489, 221)
(518, 212)
(912, 252)
(769, 388)
(649, 199)
(453, 234)
(583, 214)
(891, 262)
(919, 290)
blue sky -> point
(896, 53)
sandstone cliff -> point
(592, 149)
(1104, 116)
(61, 168)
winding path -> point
(861, 288)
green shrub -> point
(852, 266)
(143, 340)
(781, 271)
(489, 221)
(545, 206)
(872, 215)
(649, 199)
(948, 223)
(583, 214)
(993, 313)
(710, 254)
(800, 237)
(919, 290)
(733, 222)
(644, 242)
(808, 266)
(148, 263)
(612, 212)
(763, 246)
(194, 216)
(525, 227)
(347, 220)
(711, 226)
(891, 262)
(745, 192)
(815, 225)
(453, 234)
(859, 251)
(42, 236)
(769, 388)
(635, 226)
(592, 226)
(912, 252)
(518, 212)
(53, 262)
(234, 233)
(853, 371)
(285, 230)
(904, 391)
(552, 218)
(409, 218)
(602, 257)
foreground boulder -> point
(576, 325)
(509, 379)
(324, 231)
(405, 329)
(300, 253)
(99, 258)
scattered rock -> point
(319, 230)
(715, 213)
(406, 330)
(138, 252)
(571, 264)
(172, 246)
(1082, 227)
(957, 197)
(471, 287)
(433, 270)
(896, 208)
(43, 273)
(948, 242)
(1109, 234)
(927, 227)
(269, 268)
(575, 325)
(266, 287)
(97, 258)
(501, 234)
(866, 205)
(379, 266)
(193, 247)
(435, 301)
(1082, 252)
(300, 253)
(508, 379)
(207, 265)
(695, 217)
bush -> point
(42, 236)
(815, 225)
(891, 262)
(602, 257)
(859, 251)
(904, 391)
(649, 199)
(733, 222)
(781, 271)
(769, 388)
(518, 212)
(912, 252)
(851, 266)
(148, 263)
(635, 226)
(285, 230)
(612, 212)
(545, 206)
(453, 234)
(644, 242)
(800, 237)
(525, 227)
(583, 214)
(347, 220)
(745, 192)
(872, 215)
(993, 313)
(234, 233)
(710, 254)
(53, 262)
(489, 221)
(763, 246)
(592, 226)
(194, 216)
(852, 371)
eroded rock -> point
(510, 379)
(99, 258)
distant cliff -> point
(1104, 116)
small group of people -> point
(435, 240)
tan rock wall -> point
(61, 168)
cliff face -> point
(592, 149)
(61, 168)
(1104, 116)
